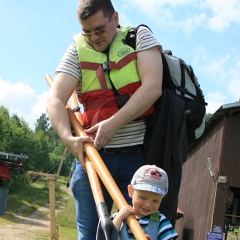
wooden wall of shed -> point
(229, 166)
(198, 189)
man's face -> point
(99, 30)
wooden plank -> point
(52, 185)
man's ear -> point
(116, 18)
(130, 191)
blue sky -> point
(35, 34)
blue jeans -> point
(122, 167)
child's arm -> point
(122, 215)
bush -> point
(18, 181)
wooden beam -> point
(49, 176)
(230, 215)
(52, 201)
(52, 204)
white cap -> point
(150, 178)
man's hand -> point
(75, 145)
(104, 131)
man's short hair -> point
(87, 8)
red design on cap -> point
(153, 172)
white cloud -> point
(217, 69)
(189, 24)
(223, 13)
(234, 86)
(225, 72)
(124, 20)
(156, 6)
(216, 15)
(22, 100)
(215, 101)
(216, 96)
(234, 76)
(213, 106)
(220, 76)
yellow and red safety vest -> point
(97, 96)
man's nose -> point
(94, 37)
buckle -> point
(105, 66)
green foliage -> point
(42, 123)
(42, 146)
(45, 152)
(208, 115)
(18, 182)
(56, 156)
(29, 198)
(32, 196)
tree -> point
(42, 123)
(42, 146)
(208, 115)
(5, 127)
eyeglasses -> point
(100, 31)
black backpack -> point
(179, 77)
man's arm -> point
(61, 90)
(149, 65)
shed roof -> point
(226, 109)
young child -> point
(148, 187)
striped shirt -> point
(133, 132)
(163, 229)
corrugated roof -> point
(224, 110)
(227, 109)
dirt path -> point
(35, 226)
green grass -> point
(66, 218)
(32, 197)
(65, 221)
(234, 235)
(36, 195)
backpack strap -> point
(183, 80)
(131, 35)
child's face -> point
(144, 202)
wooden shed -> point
(211, 196)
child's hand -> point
(125, 211)
(122, 215)
(149, 237)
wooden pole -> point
(52, 204)
(52, 201)
(52, 178)
(103, 172)
(61, 163)
(94, 181)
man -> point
(117, 130)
